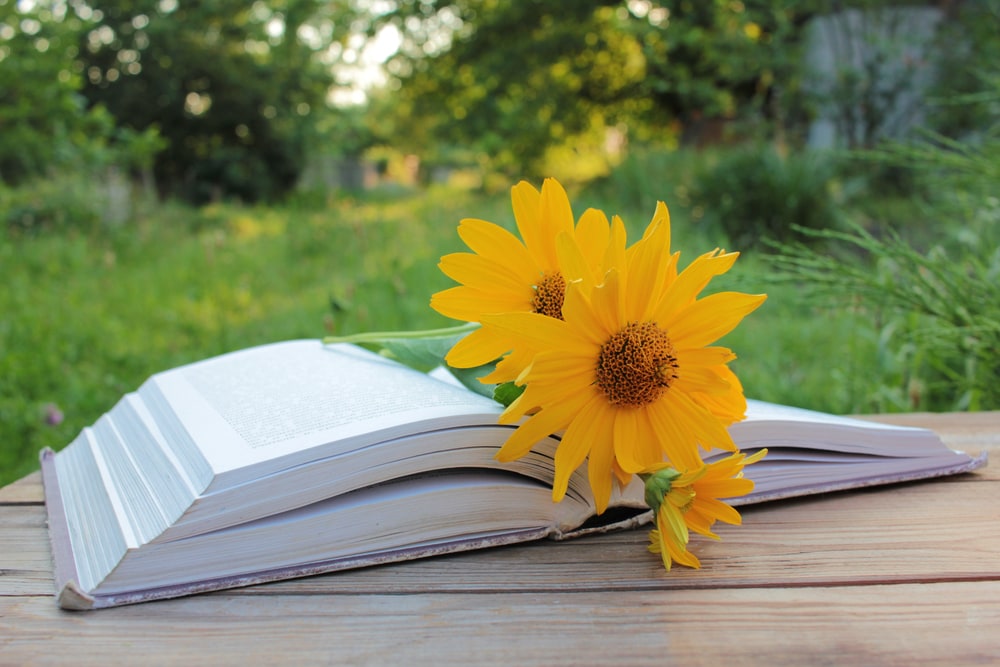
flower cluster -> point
(611, 345)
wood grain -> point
(912, 624)
(906, 575)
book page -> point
(272, 402)
(771, 425)
(491, 504)
(763, 411)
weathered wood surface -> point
(906, 575)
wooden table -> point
(907, 575)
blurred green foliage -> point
(520, 78)
(216, 103)
(234, 88)
(43, 121)
(754, 195)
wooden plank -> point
(801, 582)
(26, 490)
(25, 555)
(912, 624)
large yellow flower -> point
(503, 274)
(692, 501)
(629, 374)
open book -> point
(297, 458)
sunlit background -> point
(182, 179)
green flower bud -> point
(658, 485)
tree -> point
(515, 78)
(41, 111)
(233, 87)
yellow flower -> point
(503, 274)
(691, 501)
(629, 372)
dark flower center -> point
(636, 365)
(549, 294)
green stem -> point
(379, 336)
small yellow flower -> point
(691, 501)
(629, 373)
(503, 274)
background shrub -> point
(754, 194)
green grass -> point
(88, 317)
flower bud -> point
(658, 485)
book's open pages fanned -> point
(296, 458)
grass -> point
(88, 317)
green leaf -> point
(507, 393)
(420, 353)
(422, 350)
(469, 377)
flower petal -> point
(540, 425)
(695, 378)
(478, 271)
(585, 435)
(593, 231)
(648, 263)
(708, 319)
(691, 281)
(540, 218)
(675, 437)
(477, 348)
(538, 331)
(468, 304)
(493, 242)
(626, 440)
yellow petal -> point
(708, 319)
(660, 222)
(615, 253)
(584, 319)
(671, 525)
(626, 434)
(691, 281)
(493, 242)
(468, 304)
(695, 378)
(704, 356)
(593, 231)
(719, 510)
(583, 436)
(623, 478)
(734, 487)
(477, 271)
(538, 331)
(648, 262)
(541, 218)
(648, 448)
(524, 200)
(508, 368)
(676, 439)
(729, 407)
(476, 349)
(538, 426)
(707, 429)
(606, 303)
(573, 264)
(685, 557)
(564, 370)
